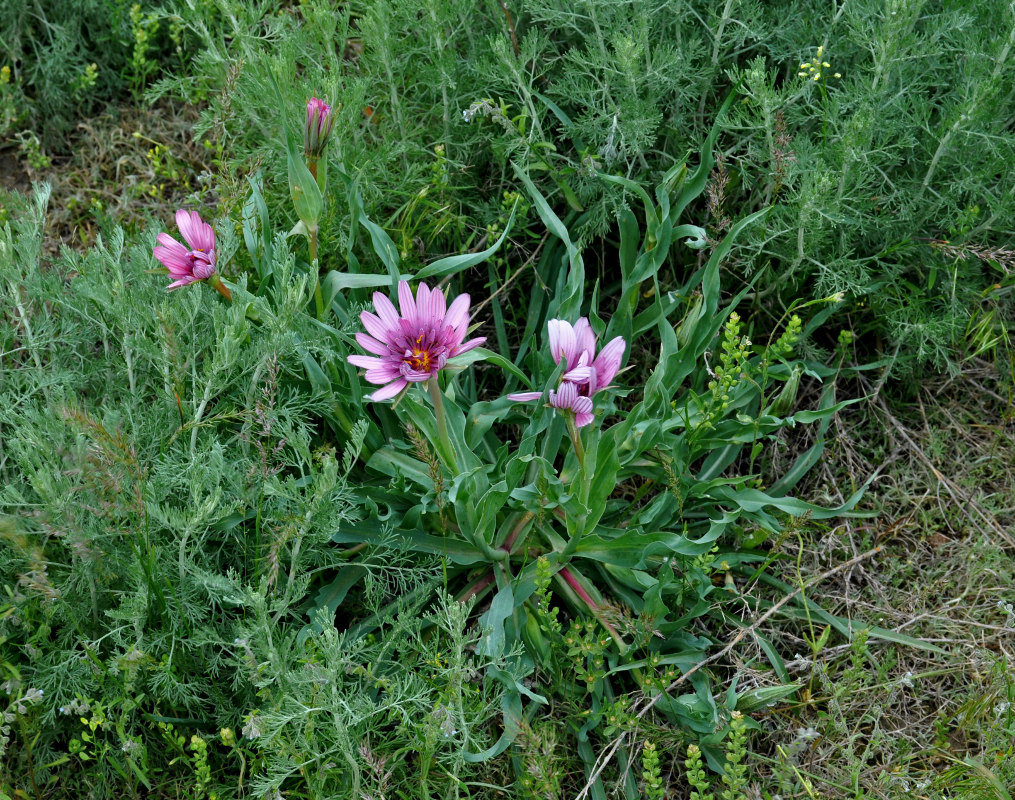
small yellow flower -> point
(814, 69)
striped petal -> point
(578, 374)
(457, 316)
(469, 345)
(387, 392)
(181, 282)
(197, 233)
(374, 326)
(562, 340)
(565, 396)
(607, 363)
(386, 311)
(582, 407)
(405, 301)
(367, 362)
(586, 339)
(371, 345)
(383, 374)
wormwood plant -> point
(166, 505)
(870, 169)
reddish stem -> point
(476, 588)
(510, 541)
(565, 573)
(221, 288)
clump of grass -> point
(883, 719)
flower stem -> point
(221, 288)
(437, 396)
(576, 441)
(318, 298)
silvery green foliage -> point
(166, 496)
(904, 148)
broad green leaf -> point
(455, 550)
(335, 281)
(482, 354)
(453, 264)
(492, 623)
(764, 697)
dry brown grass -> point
(890, 720)
(125, 165)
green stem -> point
(437, 396)
(576, 441)
(318, 298)
(221, 288)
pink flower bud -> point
(318, 127)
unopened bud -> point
(318, 127)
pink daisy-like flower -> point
(414, 345)
(567, 398)
(585, 372)
(188, 264)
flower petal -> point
(457, 315)
(387, 392)
(170, 243)
(173, 260)
(562, 340)
(181, 282)
(196, 233)
(438, 306)
(371, 345)
(383, 374)
(578, 374)
(524, 397)
(582, 407)
(405, 301)
(415, 376)
(469, 345)
(422, 303)
(375, 327)
(586, 339)
(607, 363)
(386, 311)
(367, 362)
(565, 396)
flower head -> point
(194, 262)
(318, 127)
(585, 373)
(412, 344)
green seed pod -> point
(534, 639)
(786, 399)
(690, 321)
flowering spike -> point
(413, 343)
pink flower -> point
(567, 398)
(413, 346)
(318, 127)
(585, 372)
(193, 264)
